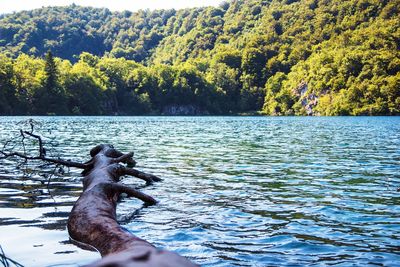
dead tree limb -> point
(92, 220)
(6, 261)
(93, 217)
(41, 152)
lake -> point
(237, 191)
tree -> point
(93, 217)
(8, 101)
(232, 51)
(51, 71)
(51, 98)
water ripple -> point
(248, 191)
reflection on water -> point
(236, 192)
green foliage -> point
(279, 57)
(7, 95)
(50, 97)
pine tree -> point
(51, 73)
(52, 99)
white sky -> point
(8, 6)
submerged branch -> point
(4, 153)
(6, 261)
(93, 218)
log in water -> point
(237, 191)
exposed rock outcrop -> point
(308, 100)
(183, 110)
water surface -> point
(237, 191)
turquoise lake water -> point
(237, 191)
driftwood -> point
(92, 220)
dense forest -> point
(275, 57)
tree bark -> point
(93, 218)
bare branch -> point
(6, 260)
(124, 157)
(149, 178)
(120, 188)
(63, 162)
(67, 163)
(93, 217)
(42, 150)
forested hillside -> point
(286, 57)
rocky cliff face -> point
(308, 100)
(183, 110)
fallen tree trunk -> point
(93, 217)
(92, 220)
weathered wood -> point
(92, 220)
(93, 217)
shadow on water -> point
(250, 191)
